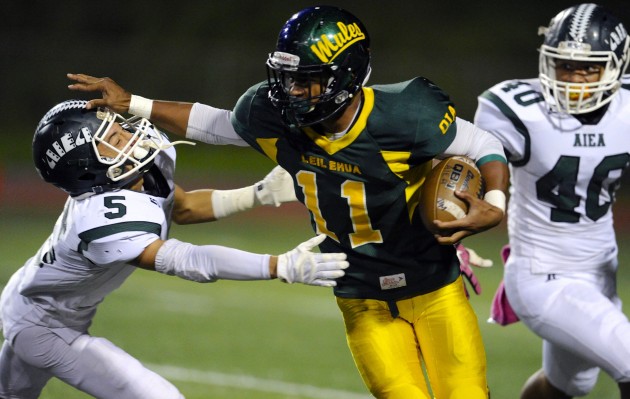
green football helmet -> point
(318, 44)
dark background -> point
(211, 51)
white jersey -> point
(86, 257)
(564, 175)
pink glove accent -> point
(501, 311)
(466, 270)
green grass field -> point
(266, 339)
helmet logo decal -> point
(581, 21)
(327, 51)
(617, 36)
(66, 144)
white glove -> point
(470, 257)
(300, 265)
(275, 188)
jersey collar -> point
(333, 146)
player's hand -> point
(481, 216)
(468, 257)
(114, 97)
(275, 188)
(301, 265)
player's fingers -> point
(330, 274)
(446, 240)
(453, 238)
(333, 256)
(94, 86)
(465, 195)
(451, 225)
(88, 83)
(77, 77)
(82, 78)
(323, 265)
(312, 243)
(324, 283)
(477, 260)
(97, 102)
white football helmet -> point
(586, 33)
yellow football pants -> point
(439, 328)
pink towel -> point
(500, 311)
(466, 270)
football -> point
(438, 200)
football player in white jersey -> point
(119, 176)
(567, 139)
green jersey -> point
(362, 189)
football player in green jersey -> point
(358, 156)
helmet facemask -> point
(589, 34)
(335, 89)
(583, 97)
(136, 156)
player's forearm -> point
(207, 205)
(196, 121)
(171, 116)
(206, 263)
(193, 206)
(209, 263)
(495, 175)
(212, 125)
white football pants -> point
(90, 364)
(578, 315)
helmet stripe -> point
(581, 21)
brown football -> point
(438, 200)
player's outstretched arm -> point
(274, 189)
(209, 263)
(169, 115)
(207, 205)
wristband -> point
(140, 106)
(496, 198)
(228, 202)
